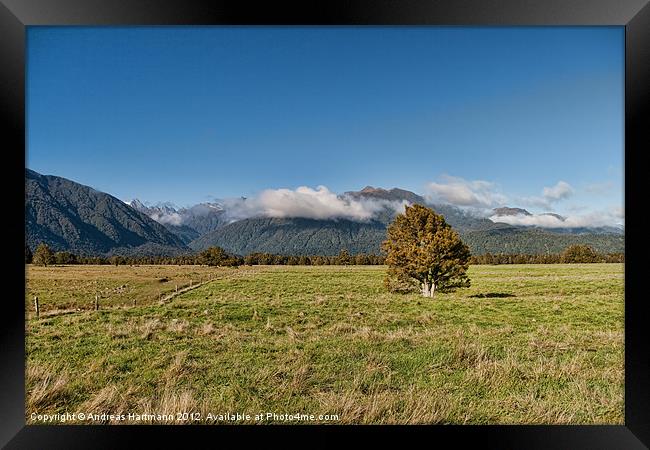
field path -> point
(165, 299)
(168, 297)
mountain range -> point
(70, 216)
(187, 223)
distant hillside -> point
(535, 241)
(326, 237)
(295, 236)
(70, 216)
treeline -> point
(216, 256)
(343, 258)
(213, 256)
(573, 254)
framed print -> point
(356, 216)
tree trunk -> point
(426, 289)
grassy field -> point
(525, 344)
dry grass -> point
(412, 406)
(46, 386)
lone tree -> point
(43, 255)
(423, 250)
(580, 254)
(216, 256)
(213, 256)
(344, 258)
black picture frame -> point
(16, 15)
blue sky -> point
(469, 115)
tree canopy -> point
(43, 256)
(580, 254)
(216, 256)
(423, 251)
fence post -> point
(36, 306)
(96, 302)
(177, 289)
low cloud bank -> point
(305, 202)
(610, 218)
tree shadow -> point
(493, 295)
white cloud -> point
(305, 202)
(550, 195)
(558, 192)
(461, 192)
(479, 196)
(167, 218)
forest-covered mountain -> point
(328, 237)
(295, 236)
(69, 216)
